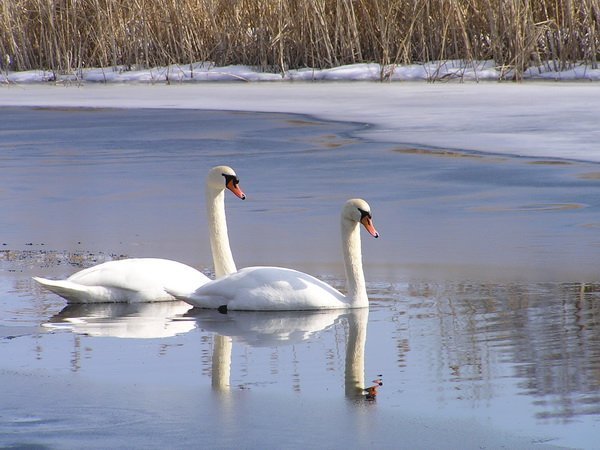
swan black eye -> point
(231, 179)
(364, 214)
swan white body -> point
(279, 289)
(267, 288)
(127, 280)
(148, 279)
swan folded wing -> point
(268, 288)
(81, 293)
(139, 274)
(146, 278)
(131, 280)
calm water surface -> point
(484, 321)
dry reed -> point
(67, 35)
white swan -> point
(145, 279)
(279, 289)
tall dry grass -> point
(65, 35)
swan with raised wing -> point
(280, 289)
(146, 279)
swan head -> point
(224, 177)
(357, 210)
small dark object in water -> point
(222, 309)
(372, 390)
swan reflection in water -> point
(256, 329)
(123, 320)
(274, 329)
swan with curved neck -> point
(280, 289)
(148, 279)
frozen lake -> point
(484, 317)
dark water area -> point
(484, 322)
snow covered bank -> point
(433, 71)
(539, 119)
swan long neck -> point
(219, 238)
(355, 278)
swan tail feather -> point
(64, 288)
(178, 294)
(73, 292)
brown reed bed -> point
(277, 35)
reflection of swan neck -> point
(221, 362)
(355, 352)
(217, 227)
(355, 278)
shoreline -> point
(492, 119)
